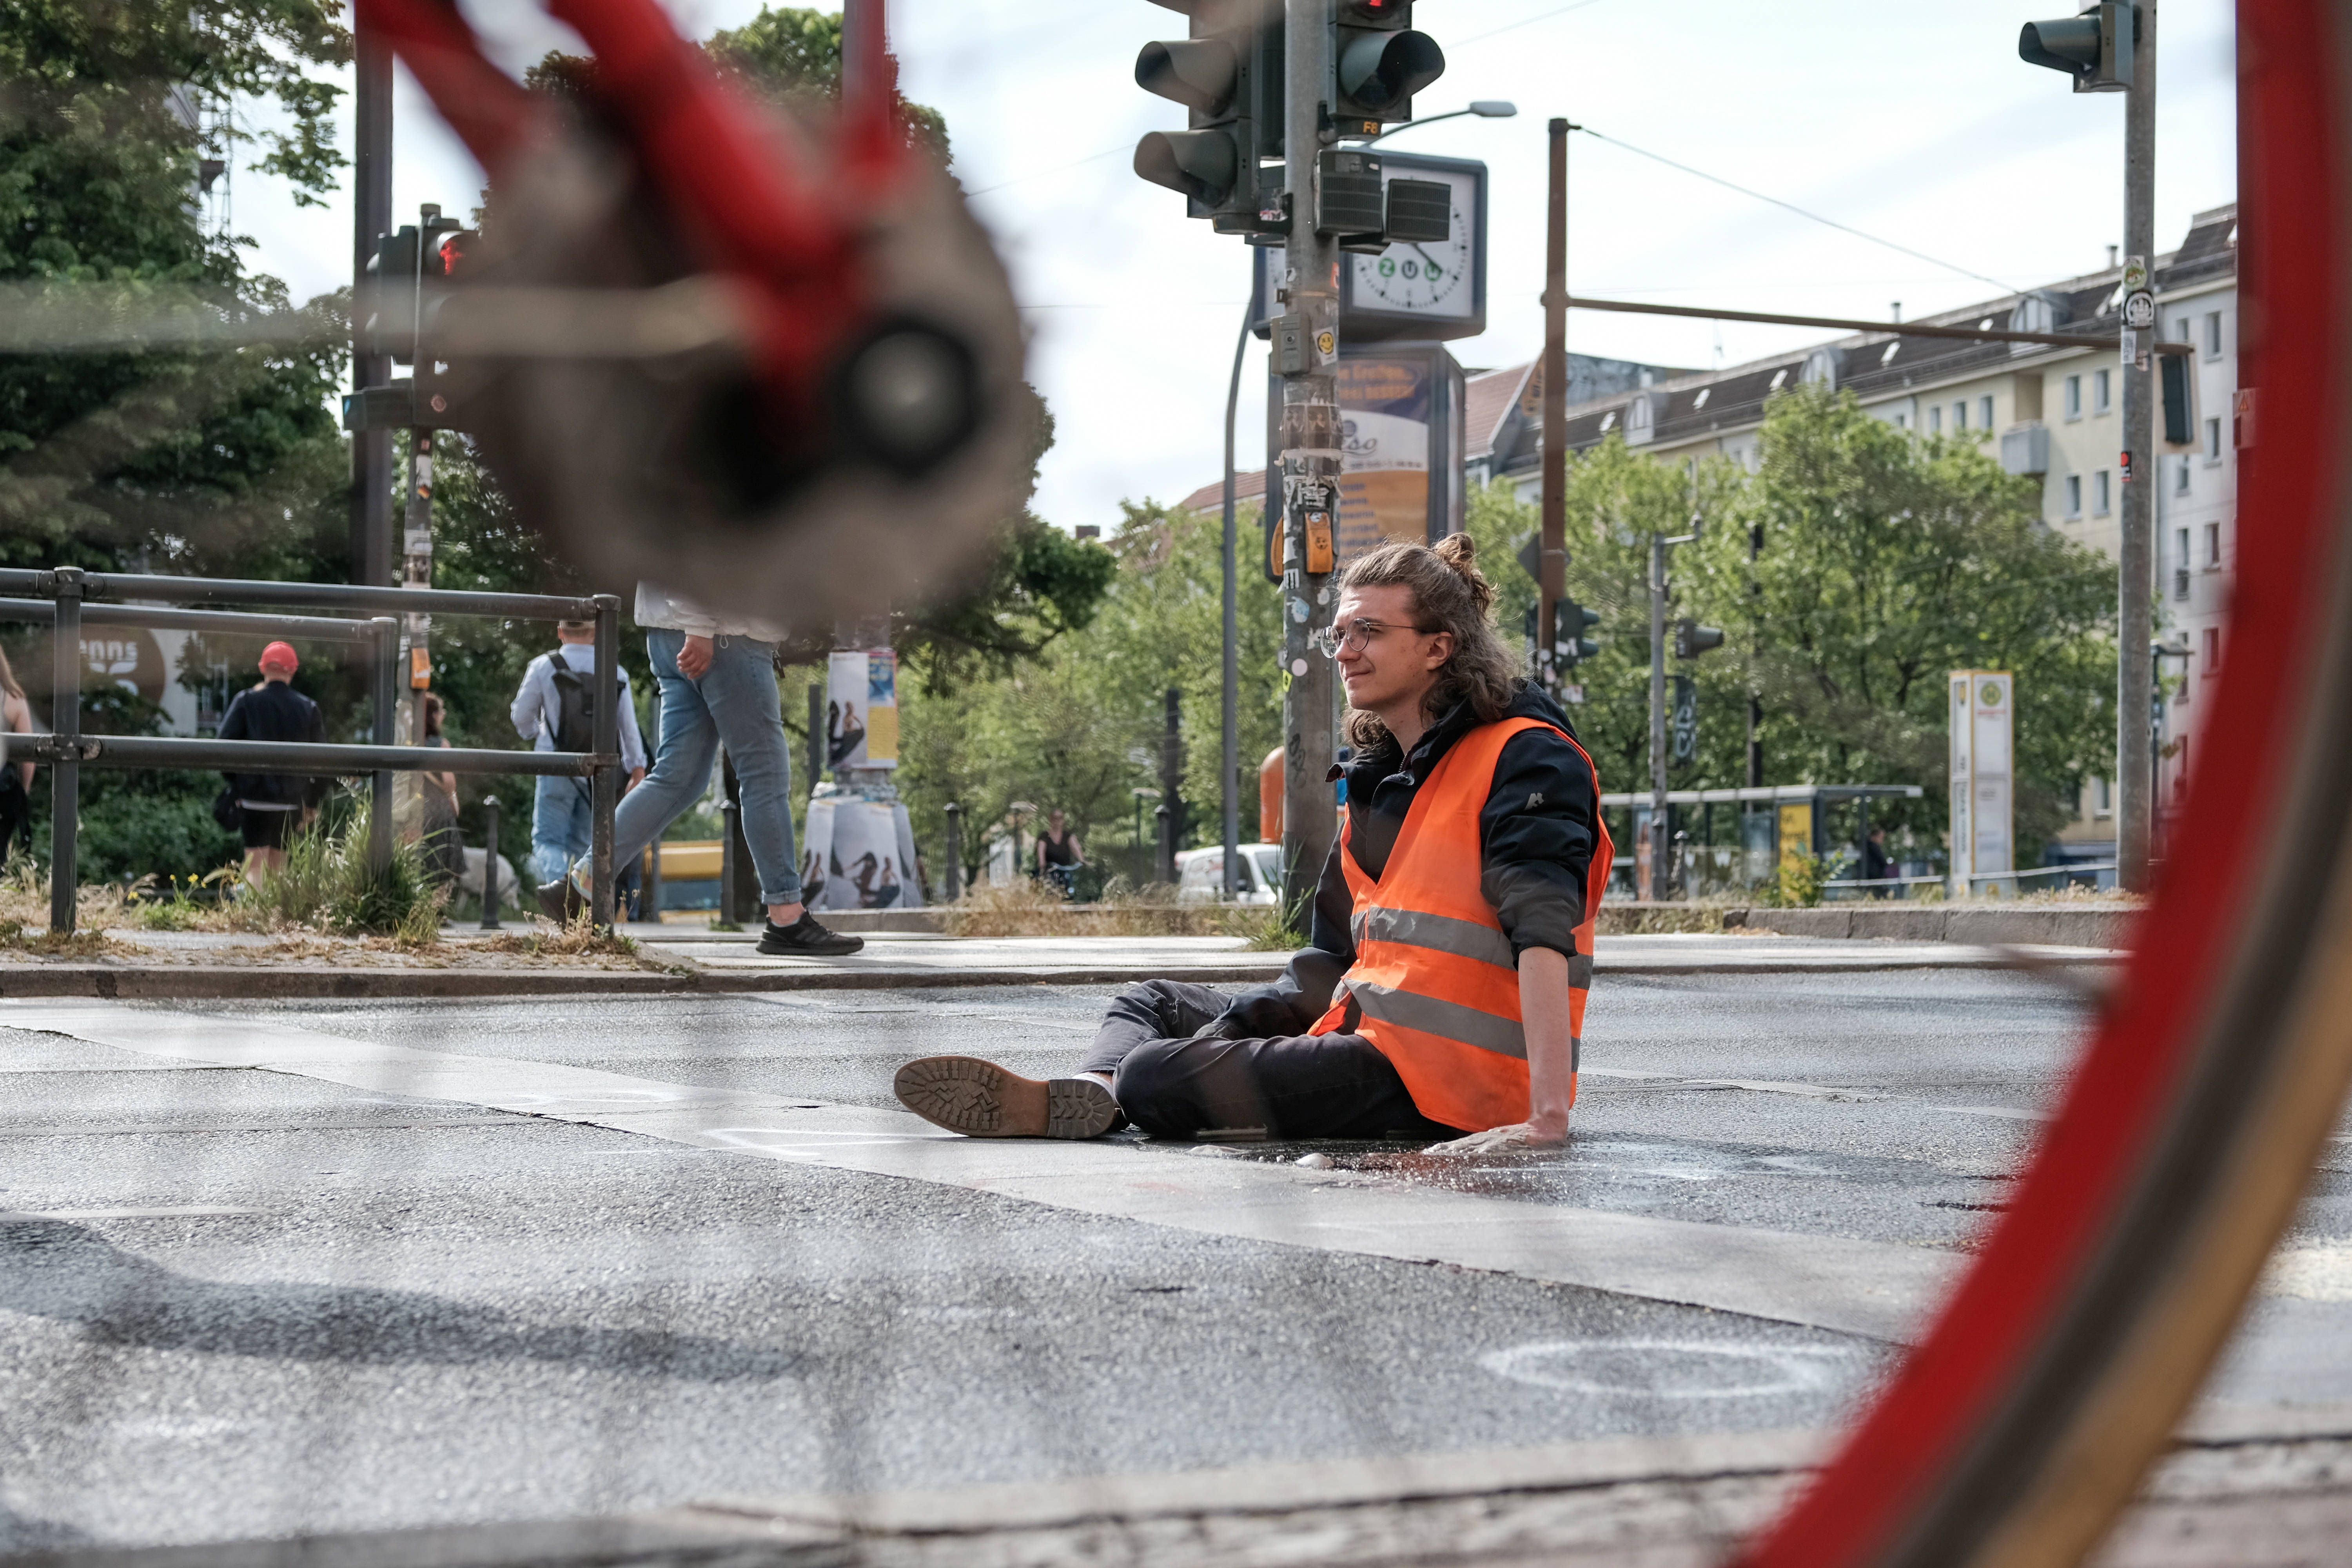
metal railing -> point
(1970, 880)
(63, 601)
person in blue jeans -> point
(717, 677)
(563, 809)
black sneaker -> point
(561, 901)
(806, 938)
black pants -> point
(1174, 1081)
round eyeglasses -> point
(1332, 641)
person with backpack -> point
(555, 710)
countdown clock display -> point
(1425, 292)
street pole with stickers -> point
(2136, 796)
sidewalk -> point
(126, 964)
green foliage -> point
(326, 882)
(1886, 561)
(1882, 561)
(1797, 883)
(1079, 725)
(795, 51)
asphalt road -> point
(240, 1301)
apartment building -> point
(2051, 412)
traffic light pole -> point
(1230, 804)
(1310, 459)
(1552, 575)
(2136, 781)
(371, 524)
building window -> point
(2213, 334)
(1901, 421)
(2099, 492)
(2180, 548)
(1935, 419)
(2212, 651)
(2102, 798)
(2212, 544)
(1984, 412)
(2212, 441)
(1960, 415)
(2180, 485)
(2073, 397)
(2102, 391)
(2074, 495)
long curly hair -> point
(1449, 595)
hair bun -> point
(1460, 551)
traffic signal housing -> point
(2095, 48)
(1691, 639)
(1228, 76)
(1570, 622)
(1380, 62)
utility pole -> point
(370, 525)
(1658, 839)
(1754, 695)
(1552, 575)
(1310, 454)
(2135, 794)
(2110, 47)
(1231, 769)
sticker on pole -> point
(2139, 309)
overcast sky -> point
(1916, 123)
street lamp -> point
(1485, 108)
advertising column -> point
(1984, 851)
(857, 849)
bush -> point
(327, 883)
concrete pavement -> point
(341, 1266)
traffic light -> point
(1228, 76)
(1381, 63)
(1570, 622)
(1691, 639)
(445, 267)
(2095, 48)
(412, 268)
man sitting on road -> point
(718, 680)
(1444, 994)
(555, 710)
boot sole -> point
(981, 1100)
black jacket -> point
(1537, 831)
(273, 711)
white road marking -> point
(181, 1211)
(1674, 1369)
(1870, 1289)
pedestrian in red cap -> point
(272, 807)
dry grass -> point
(1026, 908)
(574, 941)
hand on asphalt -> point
(694, 659)
(1500, 1141)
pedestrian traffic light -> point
(1570, 622)
(445, 266)
(2095, 48)
(1380, 62)
(1228, 76)
(1691, 639)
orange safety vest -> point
(1436, 985)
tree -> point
(1888, 561)
(223, 461)
(1078, 725)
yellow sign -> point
(1797, 833)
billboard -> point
(1401, 433)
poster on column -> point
(847, 700)
(1384, 414)
(881, 708)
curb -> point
(256, 983)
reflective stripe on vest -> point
(1436, 985)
